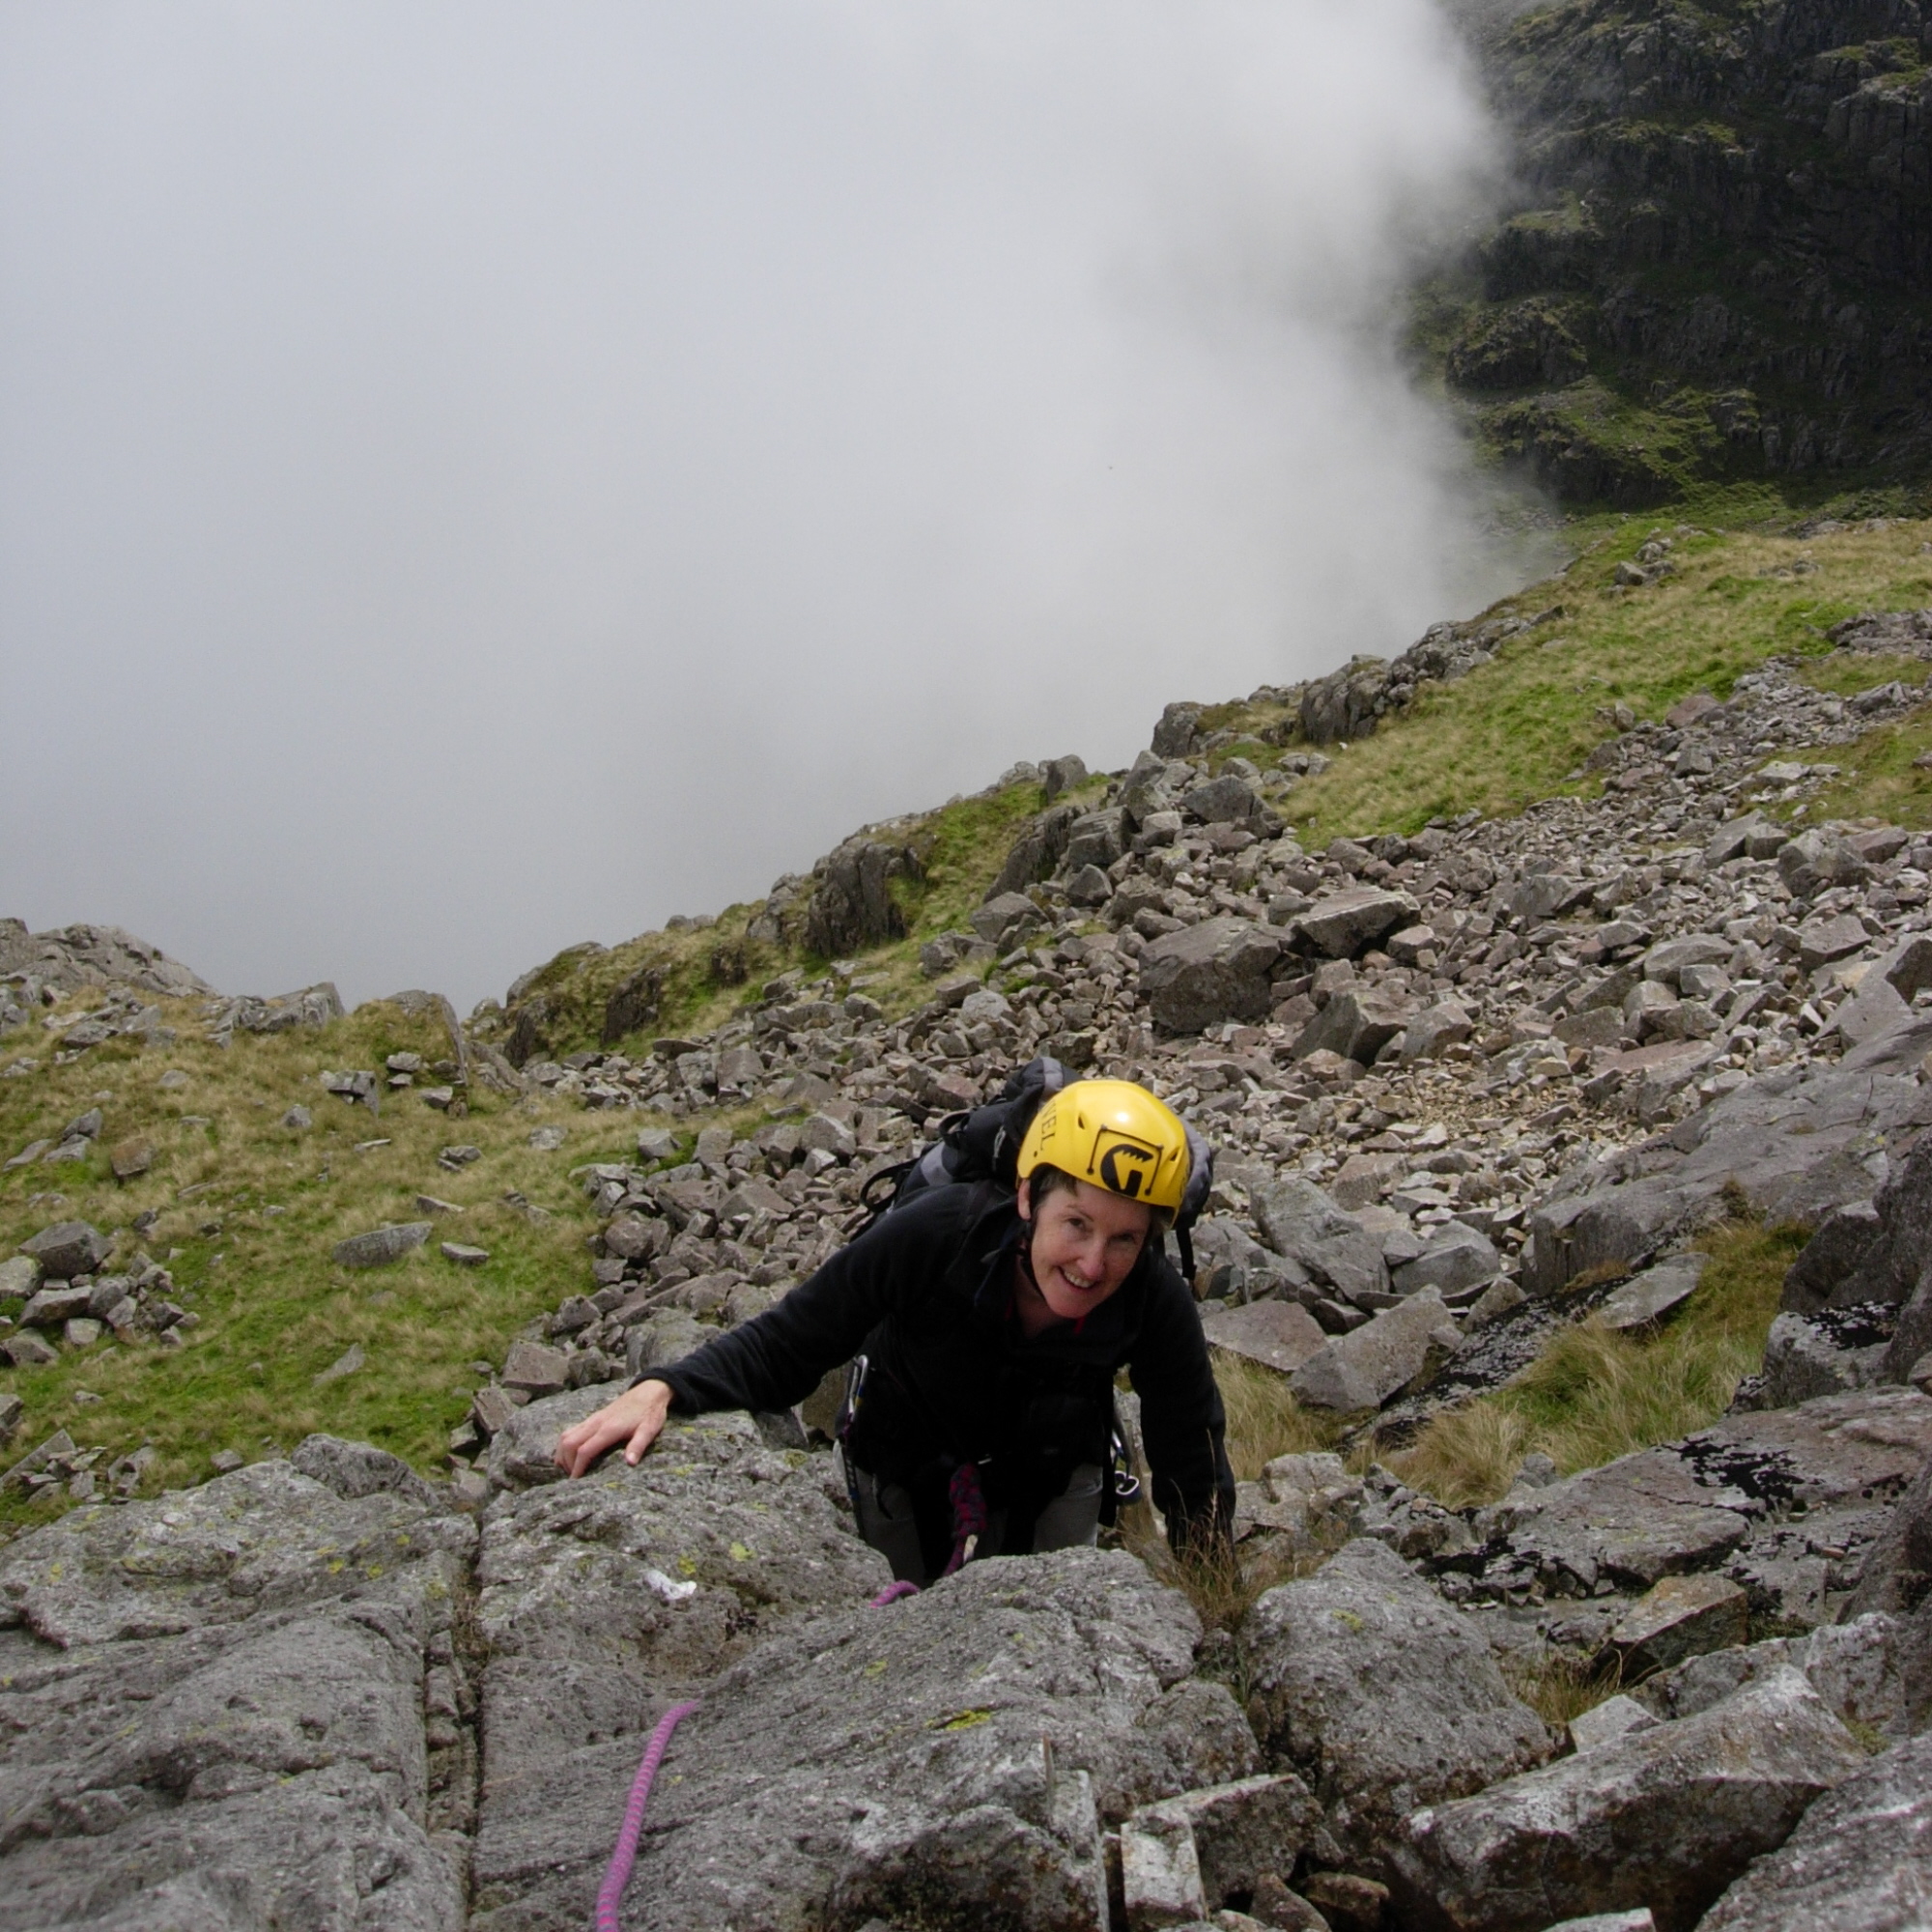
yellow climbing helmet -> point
(1116, 1135)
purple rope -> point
(893, 1592)
(617, 1873)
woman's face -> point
(1085, 1244)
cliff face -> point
(1722, 248)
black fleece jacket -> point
(926, 1296)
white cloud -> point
(474, 476)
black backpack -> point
(983, 1143)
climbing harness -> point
(969, 1524)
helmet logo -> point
(1125, 1166)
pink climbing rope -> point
(617, 1873)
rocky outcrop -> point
(1663, 1818)
(238, 1706)
(1860, 1861)
(1380, 1696)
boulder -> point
(1357, 1023)
(67, 1249)
(1891, 1256)
(1861, 1861)
(852, 905)
(1280, 1335)
(1003, 921)
(216, 1711)
(1676, 1618)
(1897, 1571)
(1796, 1142)
(381, 1246)
(1383, 1698)
(1456, 1258)
(1364, 1368)
(1432, 1030)
(949, 1761)
(1206, 1849)
(1224, 801)
(1885, 994)
(1817, 860)
(1758, 1495)
(1652, 1295)
(1837, 1245)
(1664, 1818)
(1821, 941)
(1219, 970)
(1341, 924)
(1875, 1672)
(1345, 704)
(1303, 1226)
(1835, 1349)
(1543, 895)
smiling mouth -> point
(1078, 1285)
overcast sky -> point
(475, 478)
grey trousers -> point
(1071, 1520)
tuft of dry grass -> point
(1263, 1418)
(1558, 1684)
(1597, 1393)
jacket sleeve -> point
(1184, 1424)
(778, 1357)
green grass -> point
(1263, 1419)
(1596, 1392)
(1514, 730)
(250, 1247)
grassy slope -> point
(249, 1249)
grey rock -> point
(52, 1306)
(951, 1757)
(1651, 1296)
(852, 905)
(1001, 920)
(1702, 1798)
(1438, 1027)
(1722, 1499)
(465, 1253)
(1875, 1672)
(1381, 1697)
(1544, 895)
(1787, 1139)
(1224, 801)
(1825, 1353)
(215, 1713)
(1836, 1247)
(19, 1275)
(355, 1469)
(1301, 1223)
(1821, 941)
(346, 1363)
(1363, 1369)
(1219, 970)
(1174, 736)
(1679, 1617)
(1094, 839)
(1357, 1023)
(381, 1246)
(1280, 1335)
(67, 1249)
(1604, 1724)
(1885, 994)
(1345, 704)
(534, 1368)
(1892, 1261)
(1753, 836)
(1816, 860)
(1457, 1258)
(1665, 963)
(656, 1144)
(1897, 1572)
(1234, 1833)
(1861, 1861)
(1341, 924)
(1912, 1339)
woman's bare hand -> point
(634, 1419)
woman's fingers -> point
(634, 1419)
